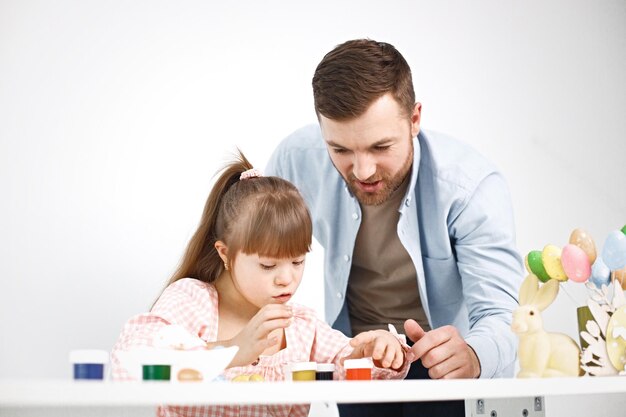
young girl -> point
(233, 287)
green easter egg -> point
(624, 229)
(536, 265)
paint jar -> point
(89, 363)
(324, 372)
(156, 372)
(358, 369)
(303, 371)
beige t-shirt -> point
(382, 287)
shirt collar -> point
(409, 196)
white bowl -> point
(208, 363)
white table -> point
(563, 396)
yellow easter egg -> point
(616, 338)
(551, 258)
(256, 378)
(241, 378)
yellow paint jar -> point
(303, 371)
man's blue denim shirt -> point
(456, 223)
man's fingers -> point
(413, 330)
(430, 340)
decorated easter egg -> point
(614, 251)
(575, 263)
(534, 265)
(189, 374)
(616, 338)
(584, 241)
(600, 273)
(551, 258)
(620, 277)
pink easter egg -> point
(575, 263)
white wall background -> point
(115, 115)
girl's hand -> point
(255, 337)
(382, 346)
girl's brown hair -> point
(264, 215)
(356, 73)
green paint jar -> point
(156, 372)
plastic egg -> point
(616, 338)
(241, 378)
(575, 263)
(551, 258)
(189, 374)
(614, 251)
(534, 265)
(600, 273)
(584, 241)
(624, 229)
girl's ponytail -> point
(201, 260)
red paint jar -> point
(358, 369)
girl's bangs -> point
(280, 230)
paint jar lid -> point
(358, 363)
(303, 366)
(89, 356)
(325, 367)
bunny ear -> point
(546, 294)
(528, 289)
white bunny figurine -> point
(542, 354)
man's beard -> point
(390, 184)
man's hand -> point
(443, 352)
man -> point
(417, 227)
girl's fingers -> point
(382, 347)
(270, 325)
(398, 360)
(362, 339)
(274, 311)
(269, 342)
(379, 348)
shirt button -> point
(346, 258)
(407, 202)
(339, 295)
(355, 216)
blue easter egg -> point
(614, 251)
(600, 273)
